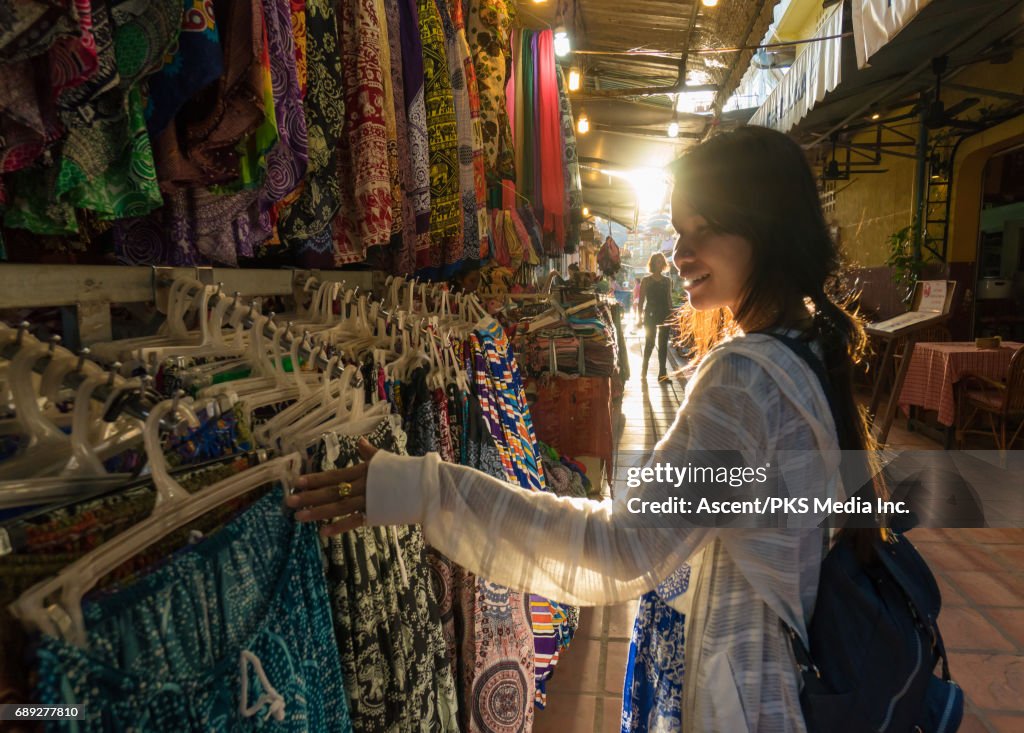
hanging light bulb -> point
(575, 80)
(673, 129)
(562, 45)
(709, 3)
(539, 2)
(586, 211)
(583, 124)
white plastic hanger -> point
(175, 508)
(47, 448)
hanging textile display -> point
(473, 90)
(489, 23)
(366, 215)
(446, 226)
(306, 222)
(573, 184)
(464, 132)
(105, 164)
(298, 132)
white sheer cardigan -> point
(752, 394)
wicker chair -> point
(1001, 402)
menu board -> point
(902, 321)
(933, 296)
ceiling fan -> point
(935, 115)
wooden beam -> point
(647, 91)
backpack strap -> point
(910, 589)
(809, 670)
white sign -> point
(876, 22)
(901, 321)
(814, 73)
(933, 296)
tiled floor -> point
(980, 572)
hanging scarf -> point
(197, 62)
(106, 163)
(419, 145)
(446, 215)
(571, 172)
(472, 87)
(464, 134)
(549, 127)
(403, 256)
(305, 224)
(524, 116)
(390, 120)
(489, 23)
(365, 219)
(285, 163)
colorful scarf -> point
(446, 216)
(365, 219)
(549, 148)
(489, 23)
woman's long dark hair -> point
(756, 183)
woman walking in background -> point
(655, 306)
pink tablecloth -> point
(936, 367)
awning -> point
(902, 68)
(876, 22)
(814, 73)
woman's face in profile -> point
(714, 266)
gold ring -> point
(344, 489)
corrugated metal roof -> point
(637, 45)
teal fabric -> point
(169, 652)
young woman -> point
(755, 259)
(655, 307)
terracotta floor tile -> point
(972, 724)
(945, 556)
(989, 589)
(1011, 622)
(1006, 723)
(615, 667)
(991, 681)
(1011, 555)
(1014, 536)
(966, 628)
(620, 620)
(951, 595)
(567, 714)
(577, 670)
(611, 720)
(590, 625)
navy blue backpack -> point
(874, 636)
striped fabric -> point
(751, 395)
(936, 367)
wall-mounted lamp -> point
(575, 80)
(562, 45)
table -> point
(936, 366)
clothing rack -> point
(93, 288)
(90, 289)
(42, 286)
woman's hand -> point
(337, 496)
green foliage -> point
(905, 268)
